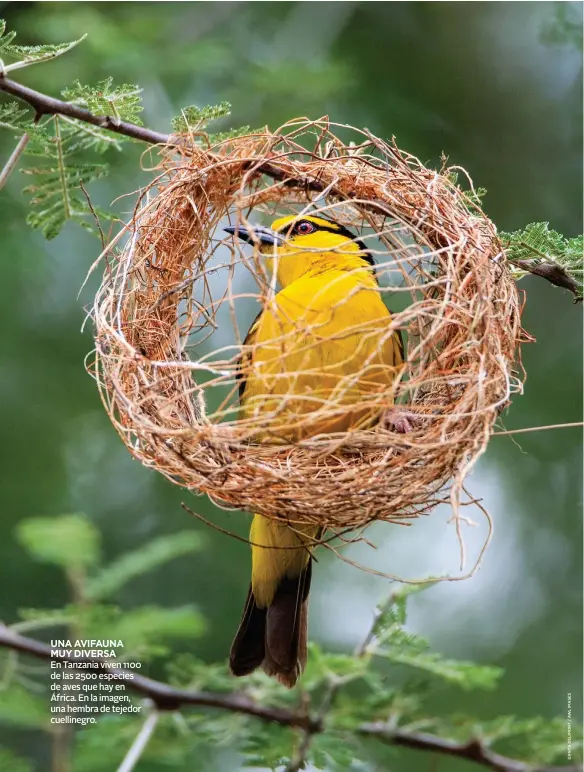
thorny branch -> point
(46, 105)
(552, 272)
(168, 698)
(473, 750)
(164, 696)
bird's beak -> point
(255, 234)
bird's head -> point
(306, 244)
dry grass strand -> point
(166, 364)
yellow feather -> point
(322, 348)
(270, 565)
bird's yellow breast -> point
(323, 348)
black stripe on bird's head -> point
(294, 227)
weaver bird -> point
(313, 359)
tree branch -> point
(164, 696)
(552, 272)
(46, 105)
(473, 750)
(168, 698)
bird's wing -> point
(399, 354)
(246, 356)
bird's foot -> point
(398, 419)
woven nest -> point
(178, 298)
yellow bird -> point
(318, 353)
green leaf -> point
(16, 118)
(195, 118)
(537, 240)
(187, 671)
(13, 116)
(51, 219)
(326, 668)
(393, 611)
(50, 182)
(537, 246)
(473, 196)
(79, 137)
(143, 629)
(137, 562)
(122, 102)
(27, 55)
(18, 707)
(269, 746)
(48, 221)
(564, 28)
(5, 39)
(537, 740)
(466, 675)
(19, 121)
(55, 199)
(67, 541)
(223, 136)
(40, 618)
(10, 761)
(332, 752)
(392, 642)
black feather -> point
(284, 620)
(248, 647)
(274, 637)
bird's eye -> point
(304, 227)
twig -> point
(473, 750)
(539, 428)
(95, 217)
(10, 165)
(553, 273)
(46, 105)
(335, 684)
(166, 697)
(298, 760)
(310, 542)
(361, 650)
(136, 750)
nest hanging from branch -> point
(176, 302)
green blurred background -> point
(496, 86)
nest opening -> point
(179, 297)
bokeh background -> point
(497, 87)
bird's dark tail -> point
(275, 637)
